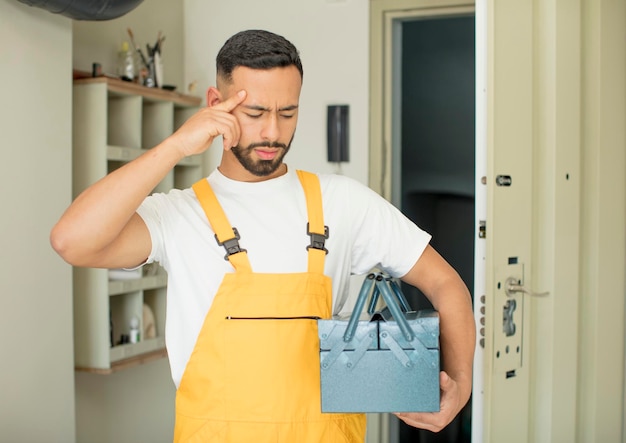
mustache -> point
(266, 145)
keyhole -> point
(508, 325)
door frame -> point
(383, 15)
(384, 160)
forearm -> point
(98, 215)
(458, 333)
(450, 297)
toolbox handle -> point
(404, 304)
(383, 285)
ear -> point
(213, 96)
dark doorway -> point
(438, 158)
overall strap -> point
(315, 227)
(226, 236)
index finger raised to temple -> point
(232, 102)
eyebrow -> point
(264, 109)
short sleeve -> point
(383, 236)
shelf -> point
(116, 86)
(196, 160)
(127, 363)
(124, 154)
(114, 122)
(117, 287)
(123, 352)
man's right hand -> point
(197, 134)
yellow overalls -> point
(253, 375)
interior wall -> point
(332, 37)
(556, 235)
(36, 369)
(133, 405)
(603, 218)
(557, 200)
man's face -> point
(267, 117)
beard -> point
(260, 167)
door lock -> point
(508, 324)
(513, 286)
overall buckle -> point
(317, 240)
(231, 245)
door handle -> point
(512, 287)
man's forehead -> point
(267, 89)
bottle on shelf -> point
(135, 335)
(126, 67)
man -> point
(255, 254)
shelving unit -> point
(113, 123)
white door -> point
(502, 379)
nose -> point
(270, 130)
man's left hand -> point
(449, 407)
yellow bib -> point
(253, 375)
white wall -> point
(130, 406)
(36, 352)
(333, 39)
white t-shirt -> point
(365, 231)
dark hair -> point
(256, 49)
